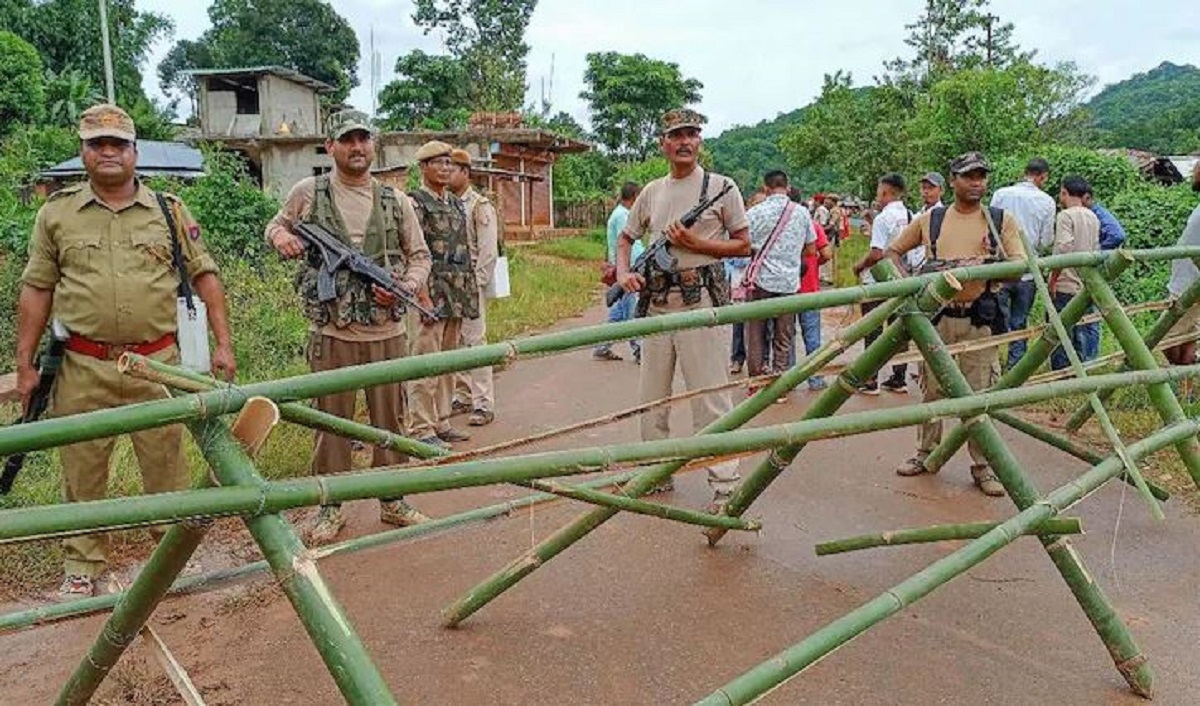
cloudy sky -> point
(768, 56)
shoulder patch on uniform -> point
(193, 231)
(65, 192)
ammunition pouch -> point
(690, 283)
(987, 311)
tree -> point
(68, 94)
(951, 35)
(22, 92)
(487, 38)
(431, 93)
(307, 36)
(627, 95)
(66, 34)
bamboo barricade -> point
(940, 533)
(778, 669)
(246, 494)
(147, 415)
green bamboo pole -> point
(941, 533)
(296, 570)
(564, 537)
(1063, 443)
(1116, 636)
(890, 342)
(1061, 332)
(778, 669)
(42, 522)
(1140, 357)
(666, 512)
(1036, 354)
(147, 415)
(131, 613)
(1166, 321)
(295, 412)
(54, 612)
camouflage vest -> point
(452, 286)
(355, 302)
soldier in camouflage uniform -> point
(101, 258)
(364, 324)
(452, 293)
(473, 390)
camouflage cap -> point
(460, 157)
(432, 149)
(344, 122)
(969, 162)
(106, 120)
(678, 119)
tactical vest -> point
(355, 301)
(452, 286)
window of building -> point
(247, 99)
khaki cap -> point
(432, 149)
(685, 117)
(344, 122)
(106, 120)
(460, 157)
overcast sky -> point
(767, 56)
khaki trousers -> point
(980, 368)
(431, 397)
(385, 403)
(474, 387)
(700, 355)
(86, 384)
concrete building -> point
(273, 117)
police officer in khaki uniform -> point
(364, 324)
(964, 231)
(452, 291)
(698, 282)
(101, 260)
(473, 389)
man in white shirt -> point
(1035, 211)
(1183, 274)
(892, 218)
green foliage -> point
(308, 36)
(1157, 111)
(627, 95)
(584, 176)
(487, 39)
(1109, 175)
(745, 153)
(22, 155)
(22, 90)
(592, 247)
(430, 93)
(642, 172)
(1153, 217)
(68, 94)
(66, 34)
(950, 36)
(232, 210)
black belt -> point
(958, 312)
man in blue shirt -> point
(622, 310)
(1112, 235)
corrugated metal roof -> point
(154, 159)
(290, 74)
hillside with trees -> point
(1158, 111)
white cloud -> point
(758, 58)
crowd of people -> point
(776, 242)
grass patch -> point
(592, 247)
(551, 281)
(848, 255)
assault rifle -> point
(329, 254)
(48, 364)
(658, 256)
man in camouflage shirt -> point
(365, 324)
(452, 291)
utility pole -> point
(108, 66)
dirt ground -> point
(643, 612)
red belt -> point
(112, 351)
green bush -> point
(1109, 175)
(22, 155)
(231, 209)
(1153, 217)
(22, 88)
